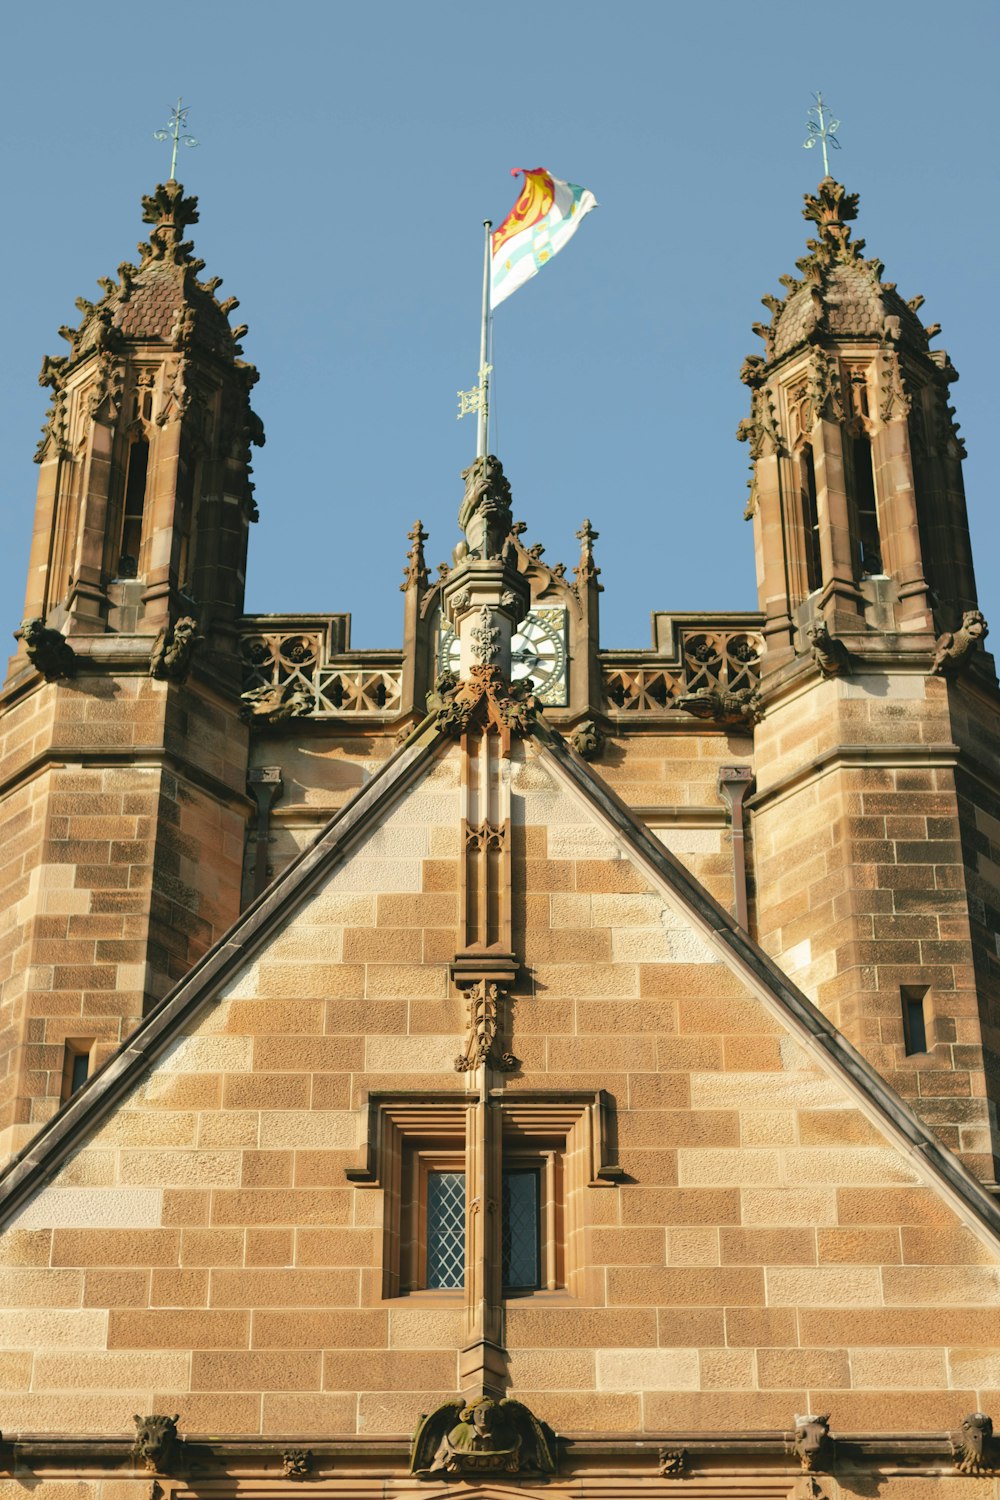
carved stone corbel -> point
(587, 740)
(485, 999)
(297, 1463)
(157, 1447)
(812, 1443)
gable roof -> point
(64, 1134)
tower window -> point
(914, 1020)
(810, 521)
(135, 505)
(868, 539)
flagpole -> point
(482, 436)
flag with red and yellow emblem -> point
(545, 216)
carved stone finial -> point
(672, 1463)
(954, 648)
(296, 1463)
(48, 651)
(812, 1441)
(485, 514)
(830, 210)
(586, 571)
(157, 1447)
(481, 1438)
(587, 739)
(973, 1444)
(173, 650)
(415, 573)
(830, 654)
(167, 209)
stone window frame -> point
(566, 1134)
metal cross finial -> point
(173, 132)
(822, 130)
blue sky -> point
(349, 153)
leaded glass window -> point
(446, 1229)
(520, 1228)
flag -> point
(545, 216)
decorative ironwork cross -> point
(821, 130)
(471, 401)
(173, 131)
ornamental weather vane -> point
(173, 131)
(821, 131)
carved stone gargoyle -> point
(157, 1448)
(812, 1443)
(587, 739)
(274, 702)
(483, 1437)
(973, 1446)
(954, 647)
(48, 650)
(830, 655)
(173, 649)
(485, 514)
(722, 706)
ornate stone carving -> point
(723, 706)
(170, 213)
(297, 1463)
(485, 514)
(157, 1448)
(954, 648)
(484, 1001)
(173, 650)
(672, 1463)
(896, 401)
(586, 571)
(48, 651)
(972, 1445)
(830, 210)
(760, 429)
(484, 1437)
(271, 704)
(510, 708)
(825, 392)
(485, 637)
(812, 1442)
(415, 573)
(830, 655)
(587, 739)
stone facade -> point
(302, 943)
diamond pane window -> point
(520, 1227)
(446, 1229)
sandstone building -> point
(501, 1061)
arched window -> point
(867, 539)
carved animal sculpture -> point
(812, 1437)
(173, 649)
(274, 702)
(485, 514)
(953, 649)
(830, 655)
(587, 740)
(974, 1443)
(722, 705)
(157, 1446)
(48, 651)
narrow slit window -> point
(77, 1060)
(810, 522)
(521, 1229)
(446, 1229)
(869, 541)
(914, 1019)
(135, 505)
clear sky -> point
(349, 153)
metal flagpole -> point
(483, 432)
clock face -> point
(538, 651)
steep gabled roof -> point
(64, 1134)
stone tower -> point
(124, 757)
(875, 809)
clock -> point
(538, 650)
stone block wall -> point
(769, 1249)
